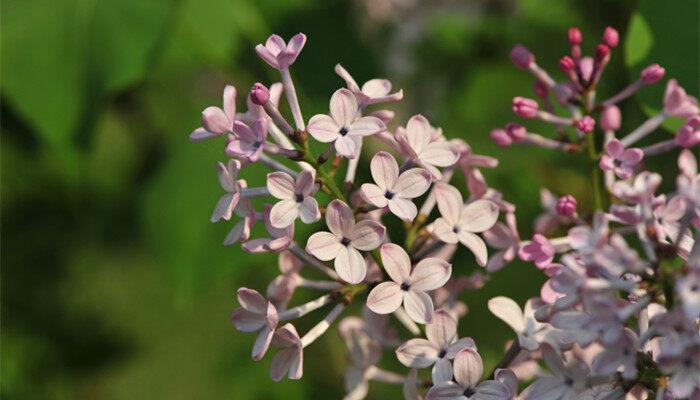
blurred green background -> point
(114, 283)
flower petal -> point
(367, 235)
(419, 306)
(384, 170)
(417, 353)
(214, 120)
(350, 265)
(508, 311)
(366, 126)
(385, 298)
(412, 183)
(304, 183)
(446, 391)
(252, 301)
(343, 107)
(224, 207)
(373, 195)
(442, 371)
(308, 210)
(280, 185)
(449, 202)
(201, 134)
(418, 133)
(230, 102)
(339, 218)
(468, 367)
(376, 88)
(323, 128)
(346, 146)
(439, 154)
(476, 245)
(323, 245)
(442, 330)
(430, 274)
(479, 216)
(403, 208)
(262, 343)
(444, 231)
(396, 262)
(283, 213)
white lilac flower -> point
(530, 332)
(255, 315)
(289, 360)
(363, 354)
(416, 142)
(296, 197)
(278, 54)
(374, 91)
(279, 239)
(228, 179)
(468, 369)
(688, 288)
(565, 383)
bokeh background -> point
(114, 283)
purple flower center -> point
(405, 286)
(455, 229)
(343, 131)
(257, 144)
(345, 241)
(298, 197)
(389, 195)
(617, 163)
(442, 353)
(469, 392)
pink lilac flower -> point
(278, 54)
(394, 190)
(259, 94)
(289, 360)
(345, 126)
(500, 137)
(217, 121)
(586, 124)
(415, 141)
(620, 356)
(296, 197)
(620, 160)
(363, 354)
(610, 37)
(688, 134)
(374, 91)
(610, 118)
(539, 250)
(256, 111)
(255, 315)
(345, 240)
(408, 287)
(460, 223)
(441, 346)
(247, 140)
(587, 239)
(506, 239)
(468, 369)
(521, 57)
(281, 289)
(241, 231)
(652, 74)
(524, 107)
(228, 179)
(566, 206)
(667, 216)
(640, 190)
(566, 383)
(279, 239)
(677, 103)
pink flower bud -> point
(586, 124)
(541, 89)
(566, 206)
(259, 94)
(611, 37)
(501, 138)
(574, 36)
(516, 132)
(566, 63)
(521, 57)
(610, 118)
(689, 135)
(652, 74)
(601, 51)
(524, 107)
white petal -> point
(438, 154)
(468, 367)
(385, 298)
(367, 235)
(443, 230)
(366, 126)
(343, 107)
(373, 195)
(417, 353)
(280, 185)
(323, 245)
(350, 265)
(442, 371)
(339, 218)
(283, 213)
(308, 210)
(442, 330)
(449, 202)
(403, 208)
(323, 128)
(346, 146)
(508, 311)
(419, 306)
(476, 245)
(396, 262)
(479, 216)
(430, 274)
(418, 132)
(412, 183)
(384, 170)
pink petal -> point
(442, 330)
(366, 126)
(280, 185)
(499, 236)
(384, 170)
(476, 245)
(508, 311)
(346, 146)
(412, 183)
(376, 88)
(478, 216)
(339, 218)
(343, 107)
(468, 367)
(201, 134)
(444, 231)
(225, 180)
(417, 353)
(323, 245)
(631, 157)
(282, 363)
(403, 208)
(323, 128)
(350, 265)
(275, 44)
(296, 43)
(308, 210)
(373, 195)
(614, 148)
(449, 202)
(396, 262)
(419, 306)
(434, 171)
(385, 298)
(224, 207)
(230, 102)
(252, 301)
(305, 182)
(246, 321)
(430, 274)
(267, 56)
(439, 154)
(418, 133)
(215, 120)
(606, 163)
(367, 235)
(262, 343)
(283, 213)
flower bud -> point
(541, 89)
(586, 124)
(521, 57)
(501, 138)
(610, 118)
(689, 135)
(468, 367)
(516, 132)
(574, 36)
(524, 107)
(610, 37)
(652, 74)
(601, 51)
(566, 206)
(259, 94)
(566, 63)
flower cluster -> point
(618, 315)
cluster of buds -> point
(580, 324)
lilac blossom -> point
(565, 383)
(247, 141)
(539, 250)
(228, 179)
(468, 368)
(255, 315)
(217, 121)
(374, 91)
(289, 360)
(417, 143)
(278, 54)
(677, 103)
(620, 160)
(296, 198)
(506, 239)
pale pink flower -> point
(289, 360)
(241, 231)
(620, 160)
(441, 346)
(667, 217)
(374, 91)
(247, 140)
(217, 121)
(640, 190)
(506, 239)
(468, 369)
(345, 240)
(460, 223)
(281, 289)
(587, 239)
(621, 355)
(549, 220)
(296, 197)
(539, 250)
(530, 332)
(688, 288)
(408, 287)
(566, 383)
(345, 126)
(278, 54)
(394, 190)
(255, 315)
(677, 103)
(279, 239)
(228, 179)
(363, 354)
(688, 135)
(415, 141)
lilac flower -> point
(620, 160)
(247, 140)
(416, 142)
(437, 350)
(683, 364)
(549, 219)
(468, 369)
(566, 383)
(640, 190)
(345, 240)
(460, 223)
(281, 289)
(278, 54)
(566, 206)
(392, 189)
(345, 126)
(506, 239)
(530, 332)
(255, 315)
(539, 250)
(217, 121)
(408, 287)
(677, 103)
(688, 134)
(289, 360)
(279, 239)
(652, 74)
(621, 355)
(586, 124)
(296, 197)
(588, 239)
(524, 107)
(241, 231)
(667, 216)
(363, 354)
(374, 91)
(256, 111)
(228, 179)
(688, 288)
